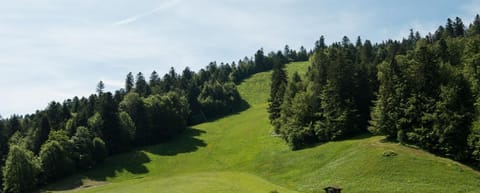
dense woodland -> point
(79, 133)
(421, 91)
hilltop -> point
(238, 153)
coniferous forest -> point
(421, 91)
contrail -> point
(135, 18)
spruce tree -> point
(129, 82)
(277, 91)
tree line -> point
(79, 133)
(421, 91)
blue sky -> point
(57, 49)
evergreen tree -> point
(277, 91)
(41, 129)
(141, 86)
(449, 28)
(100, 87)
(260, 61)
(129, 82)
(320, 44)
(453, 117)
(108, 110)
(459, 27)
(474, 28)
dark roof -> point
(332, 187)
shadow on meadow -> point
(132, 162)
(184, 143)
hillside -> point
(239, 154)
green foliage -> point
(54, 161)
(332, 103)
(129, 82)
(96, 124)
(167, 115)
(127, 127)
(217, 98)
(424, 91)
(141, 86)
(277, 91)
(82, 145)
(261, 163)
(99, 150)
(133, 104)
(21, 170)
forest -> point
(420, 91)
(77, 134)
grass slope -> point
(238, 154)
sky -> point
(52, 50)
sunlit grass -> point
(239, 154)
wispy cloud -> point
(53, 50)
(163, 6)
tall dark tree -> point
(108, 110)
(100, 88)
(277, 91)
(459, 27)
(129, 82)
(141, 86)
(41, 129)
(474, 28)
(155, 82)
(320, 44)
(449, 28)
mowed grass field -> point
(239, 154)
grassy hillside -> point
(238, 154)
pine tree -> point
(141, 86)
(459, 27)
(277, 91)
(474, 28)
(100, 87)
(129, 82)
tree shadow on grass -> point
(201, 117)
(184, 143)
(132, 162)
(315, 143)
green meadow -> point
(239, 154)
